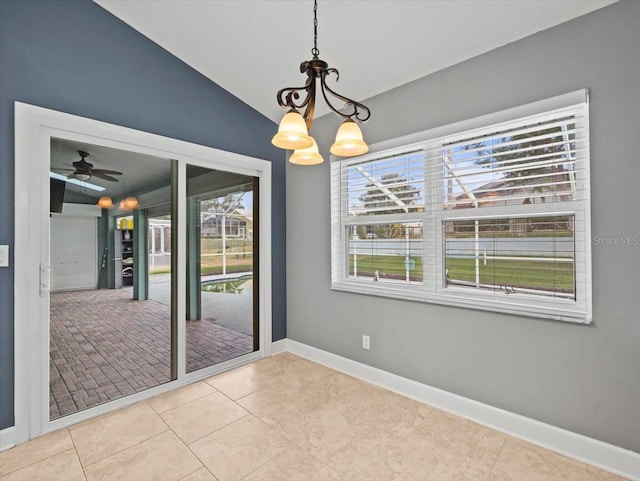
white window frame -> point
(433, 289)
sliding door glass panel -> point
(159, 255)
(221, 278)
(110, 304)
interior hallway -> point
(285, 418)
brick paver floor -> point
(104, 345)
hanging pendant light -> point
(292, 133)
(308, 156)
(105, 202)
(128, 204)
(349, 141)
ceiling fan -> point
(83, 170)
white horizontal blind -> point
(390, 252)
(531, 161)
(509, 194)
(388, 185)
(512, 255)
(382, 201)
(494, 218)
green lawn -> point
(239, 256)
(504, 235)
(210, 270)
(210, 245)
(387, 266)
(217, 269)
(545, 275)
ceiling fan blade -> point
(103, 176)
(105, 171)
(58, 168)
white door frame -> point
(34, 127)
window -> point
(492, 213)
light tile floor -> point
(285, 418)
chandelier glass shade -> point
(293, 132)
(308, 156)
(349, 140)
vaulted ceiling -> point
(253, 48)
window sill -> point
(562, 310)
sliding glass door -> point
(111, 314)
(111, 225)
(221, 267)
(114, 318)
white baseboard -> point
(279, 346)
(7, 438)
(591, 451)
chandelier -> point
(293, 132)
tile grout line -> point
(75, 449)
(167, 428)
(202, 465)
(198, 457)
(182, 387)
(214, 431)
(493, 466)
(43, 459)
(127, 448)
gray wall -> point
(75, 57)
(582, 378)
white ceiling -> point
(253, 48)
(138, 170)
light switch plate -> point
(4, 256)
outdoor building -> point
(238, 224)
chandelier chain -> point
(293, 131)
(314, 51)
(304, 97)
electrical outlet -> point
(366, 342)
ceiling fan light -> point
(308, 156)
(129, 204)
(349, 141)
(105, 202)
(82, 177)
(292, 132)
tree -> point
(392, 194)
(222, 205)
(215, 212)
(547, 144)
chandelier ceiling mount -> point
(293, 132)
